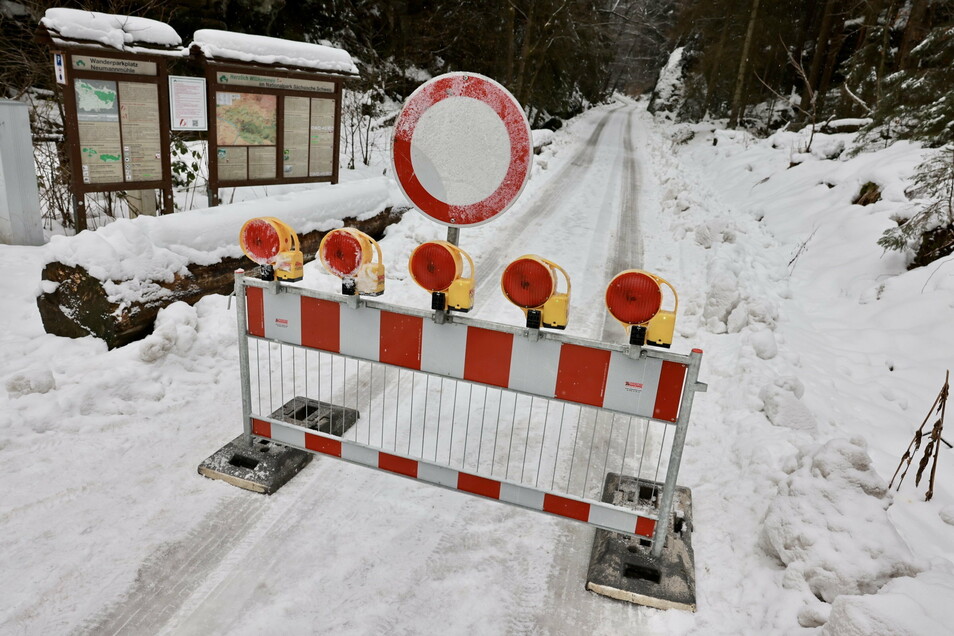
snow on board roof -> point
(122, 32)
(225, 45)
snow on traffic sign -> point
(462, 150)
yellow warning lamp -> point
(530, 282)
(348, 254)
(274, 246)
(635, 299)
(438, 267)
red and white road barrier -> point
(620, 381)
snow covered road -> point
(108, 528)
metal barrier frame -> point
(603, 515)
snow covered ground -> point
(822, 356)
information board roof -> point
(121, 32)
(260, 49)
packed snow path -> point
(531, 566)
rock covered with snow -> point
(260, 49)
(829, 528)
(120, 32)
(669, 90)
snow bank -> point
(159, 248)
(828, 524)
(225, 45)
(831, 339)
(115, 31)
(904, 607)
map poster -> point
(295, 157)
(97, 111)
(261, 162)
(321, 138)
(139, 119)
(233, 163)
(246, 119)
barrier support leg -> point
(675, 458)
(242, 321)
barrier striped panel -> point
(602, 515)
(646, 387)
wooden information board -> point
(271, 127)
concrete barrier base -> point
(264, 466)
(623, 568)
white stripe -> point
(359, 454)
(613, 519)
(522, 496)
(443, 348)
(360, 332)
(287, 435)
(437, 474)
(632, 398)
(282, 317)
(534, 366)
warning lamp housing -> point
(438, 267)
(274, 246)
(635, 298)
(349, 254)
(530, 283)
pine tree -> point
(930, 232)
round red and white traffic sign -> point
(462, 150)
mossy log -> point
(79, 305)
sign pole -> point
(453, 235)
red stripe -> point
(324, 445)
(478, 485)
(564, 507)
(401, 338)
(487, 358)
(261, 428)
(581, 376)
(399, 465)
(671, 378)
(255, 308)
(645, 527)
(320, 324)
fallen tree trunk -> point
(75, 304)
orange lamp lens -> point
(433, 267)
(342, 254)
(633, 298)
(528, 282)
(260, 241)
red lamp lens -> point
(433, 267)
(633, 298)
(260, 241)
(342, 254)
(528, 282)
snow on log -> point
(111, 283)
